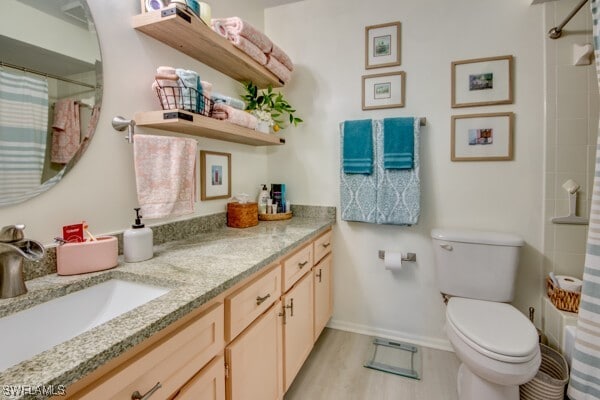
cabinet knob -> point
(319, 274)
(302, 264)
(260, 300)
(326, 245)
(137, 396)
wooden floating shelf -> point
(193, 124)
(187, 33)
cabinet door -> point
(208, 384)
(323, 294)
(254, 360)
(297, 327)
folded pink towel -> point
(237, 26)
(168, 92)
(249, 48)
(164, 175)
(66, 131)
(166, 70)
(278, 69)
(282, 57)
(233, 115)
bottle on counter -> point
(138, 241)
(263, 198)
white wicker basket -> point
(550, 381)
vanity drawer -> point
(245, 305)
(172, 361)
(208, 384)
(296, 266)
(322, 246)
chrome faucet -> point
(13, 249)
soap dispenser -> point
(138, 241)
(263, 198)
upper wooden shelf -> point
(193, 124)
(187, 33)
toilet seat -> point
(497, 330)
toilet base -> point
(473, 387)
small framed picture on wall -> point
(482, 82)
(482, 137)
(382, 45)
(215, 175)
(383, 90)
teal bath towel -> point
(398, 143)
(357, 153)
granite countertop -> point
(196, 270)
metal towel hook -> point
(120, 124)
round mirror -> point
(50, 93)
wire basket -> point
(563, 299)
(184, 98)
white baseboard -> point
(434, 343)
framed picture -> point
(482, 82)
(383, 90)
(382, 45)
(215, 175)
(482, 137)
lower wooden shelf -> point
(198, 125)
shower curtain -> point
(585, 368)
(23, 133)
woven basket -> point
(549, 383)
(562, 299)
(242, 215)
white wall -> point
(326, 41)
(101, 188)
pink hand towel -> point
(66, 132)
(235, 116)
(278, 69)
(164, 175)
(237, 26)
(247, 47)
(282, 57)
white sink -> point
(32, 331)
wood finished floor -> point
(334, 370)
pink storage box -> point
(90, 256)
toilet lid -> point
(496, 327)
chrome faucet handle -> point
(12, 233)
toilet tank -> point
(476, 264)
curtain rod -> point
(33, 71)
(556, 32)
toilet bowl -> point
(497, 346)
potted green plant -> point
(269, 107)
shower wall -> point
(571, 96)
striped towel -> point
(585, 365)
(23, 134)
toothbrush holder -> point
(90, 256)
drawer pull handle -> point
(260, 300)
(446, 247)
(326, 245)
(137, 396)
(291, 307)
(319, 274)
(302, 264)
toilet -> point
(496, 344)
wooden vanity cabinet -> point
(254, 360)
(208, 384)
(322, 277)
(297, 327)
